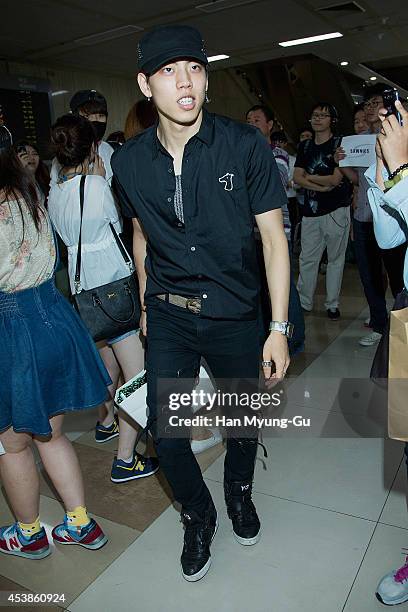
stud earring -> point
(149, 99)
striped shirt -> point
(282, 161)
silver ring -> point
(267, 364)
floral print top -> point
(27, 257)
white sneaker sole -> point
(41, 555)
(97, 546)
(364, 342)
(112, 437)
(119, 480)
(394, 603)
(247, 541)
(203, 571)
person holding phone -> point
(371, 259)
(388, 181)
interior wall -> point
(120, 93)
(228, 96)
(292, 88)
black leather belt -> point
(193, 304)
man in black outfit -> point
(193, 185)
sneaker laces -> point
(194, 535)
(140, 458)
(402, 573)
(13, 531)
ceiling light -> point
(220, 5)
(119, 32)
(344, 63)
(310, 39)
(217, 58)
(59, 93)
(373, 78)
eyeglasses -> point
(320, 116)
(373, 103)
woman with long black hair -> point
(29, 156)
(48, 366)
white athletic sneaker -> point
(370, 340)
(393, 588)
(199, 446)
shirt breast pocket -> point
(232, 195)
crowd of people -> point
(208, 214)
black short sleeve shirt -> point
(319, 159)
(228, 175)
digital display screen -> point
(27, 115)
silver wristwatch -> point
(284, 327)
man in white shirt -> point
(91, 104)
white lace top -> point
(27, 257)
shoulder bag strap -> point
(398, 217)
(122, 249)
(77, 279)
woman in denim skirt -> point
(48, 366)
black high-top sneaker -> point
(241, 510)
(199, 533)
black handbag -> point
(110, 310)
(379, 368)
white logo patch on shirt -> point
(227, 180)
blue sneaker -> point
(13, 542)
(104, 434)
(90, 536)
(140, 467)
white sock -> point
(127, 460)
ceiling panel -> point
(387, 7)
(42, 24)
(129, 9)
(45, 30)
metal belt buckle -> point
(193, 305)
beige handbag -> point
(398, 376)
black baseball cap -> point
(87, 95)
(167, 43)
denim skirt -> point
(49, 364)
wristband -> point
(401, 175)
(397, 171)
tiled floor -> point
(332, 503)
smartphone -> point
(389, 97)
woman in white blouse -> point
(75, 141)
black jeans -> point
(369, 262)
(370, 258)
(176, 341)
(394, 260)
(406, 455)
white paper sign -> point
(359, 150)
